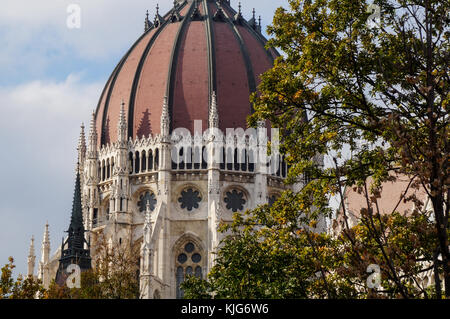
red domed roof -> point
(196, 49)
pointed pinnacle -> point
(31, 252)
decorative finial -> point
(31, 252)
(165, 121)
(213, 112)
(254, 13)
(157, 8)
(148, 213)
(240, 8)
(147, 24)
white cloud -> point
(39, 129)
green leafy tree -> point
(114, 275)
(380, 90)
(21, 288)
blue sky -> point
(51, 78)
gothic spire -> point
(122, 126)
(252, 22)
(238, 18)
(76, 228)
(147, 24)
(158, 19)
(72, 250)
(81, 145)
(165, 121)
(31, 251)
(45, 249)
(31, 258)
(92, 151)
(213, 112)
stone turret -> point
(43, 273)
(31, 259)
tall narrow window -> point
(150, 160)
(137, 162)
(144, 161)
(188, 263)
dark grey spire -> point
(72, 250)
(76, 228)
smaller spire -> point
(158, 19)
(31, 251)
(238, 18)
(46, 235)
(175, 15)
(147, 24)
(213, 112)
(252, 22)
(31, 258)
(148, 213)
(165, 121)
(122, 126)
(196, 16)
(82, 145)
(92, 150)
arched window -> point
(107, 210)
(283, 167)
(112, 166)
(108, 169)
(251, 160)
(150, 160)
(157, 159)
(188, 263)
(181, 156)
(188, 157)
(236, 161)
(136, 163)
(197, 158)
(103, 170)
(230, 159)
(244, 160)
(223, 157)
(204, 158)
(144, 161)
(180, 279)
(130, 162)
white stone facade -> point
(133, 194)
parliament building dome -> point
(195, 50)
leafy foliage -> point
(382, 93)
